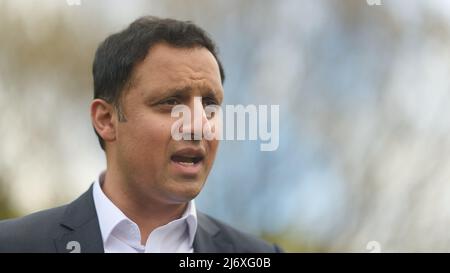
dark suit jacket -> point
(52, 230)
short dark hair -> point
(119, 53)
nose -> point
(199, 122)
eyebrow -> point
(184, 90)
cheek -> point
(215, 128)
(146, 138)
(213, 145)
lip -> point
(188, 170)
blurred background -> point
(364, 95)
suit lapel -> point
(208, 237)
(81, 228)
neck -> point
(146, 212)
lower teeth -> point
(187, 163)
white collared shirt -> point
(120, 234)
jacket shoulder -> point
(28, 233)
(242, 242)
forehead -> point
(166, 66)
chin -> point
(185, 192)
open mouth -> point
(186, 160)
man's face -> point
(153, 163)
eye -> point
(170, 101)
(213, 105)
(209, 101)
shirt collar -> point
(109, 215)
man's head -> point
(140, 74)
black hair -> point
(119, 53)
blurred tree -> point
(6, 207)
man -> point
(144, 201)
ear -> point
(103, 119)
